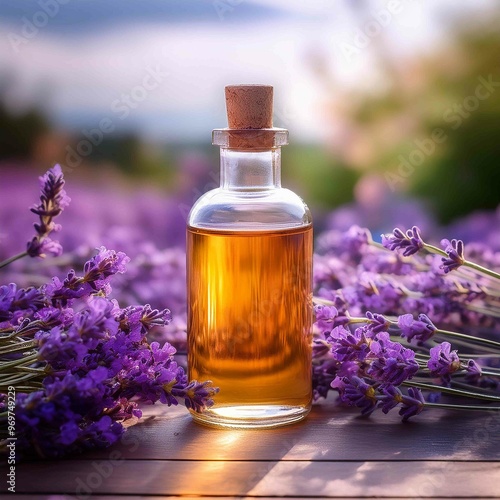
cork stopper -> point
(249, 106)
(250, 120)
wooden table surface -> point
(332, 454)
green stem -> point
(378, 245)
(486, 373)
(461, 407)
(492, 372)
(479, 390)
(324, 302)
(487, 311)
(449, 390)
(19, 346)
(433, 249)
(490, 343)
(6, 262)
(482, 269)
(29, 359)
(16, 379)
(480, 356)
(476, 340)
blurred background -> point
(393, 109)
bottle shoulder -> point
(222, 209)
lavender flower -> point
(473, 369)
(348, 346)
(355, 238)
(393, 363)
(98, 272)
(413, 403)
(443, 361)
(325, 318)
(53, 200)
(455, 251)
(323, 374)
(378, 323)
(421, 330)
(391, 398)
(355, 391)
(410, 242)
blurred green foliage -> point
(312, 172)
(437, 94)
(19, 132)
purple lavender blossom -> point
(98, 272)
(413, 403)
(53, 200)
(325, 318)
(455, 251)
(16, 303)
(443, 361)
(392, 396)
(63, 417)
(378, 323)
(197, 396)
(473, 369)
(322, 376)
(355, 391)
(421, 329)
(355, 238)
(410, 242)
(38, 247)
(348, 346)
(392, 363)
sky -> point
(159, 67)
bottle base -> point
(251, 416)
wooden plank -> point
(329, 433)
(258, 479)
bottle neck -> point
(250, 170)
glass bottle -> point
(249, 276)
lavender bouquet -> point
(73, 364)
(406, 324)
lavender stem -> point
(6, 262)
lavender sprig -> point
(411, 242)
(53, 200)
